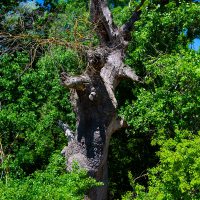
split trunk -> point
(93, 97)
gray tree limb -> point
(128, 26)
(102, 19)
(68, 133)
(76, 82)
(127, 72)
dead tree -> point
(93, 96)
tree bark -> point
(93, 98)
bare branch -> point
(68, 133)
(141, 176)
(119, 123)
(77, 82)
(11, 43)
(102, 19)
(127, 72)
(128, 26)
(1, 153)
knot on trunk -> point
(97, 58)
(93, 94)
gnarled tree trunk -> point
(93, 98)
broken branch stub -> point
(68, 133)
(76, 82)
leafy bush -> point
(52, 183)
(167, 113)
(170, 98)
(178, 174)
(32, 102)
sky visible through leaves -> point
(195, 45)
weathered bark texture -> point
(93, 97)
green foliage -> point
(167, 100)
(177, 175)
(162, 29)
(6, 5)
(25, 17)
(32, 102)
(170, 98)
(52, 183)
(166, 113)
(159, 152)
(72, 24)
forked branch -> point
(102, 19)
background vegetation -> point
(157, 157)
